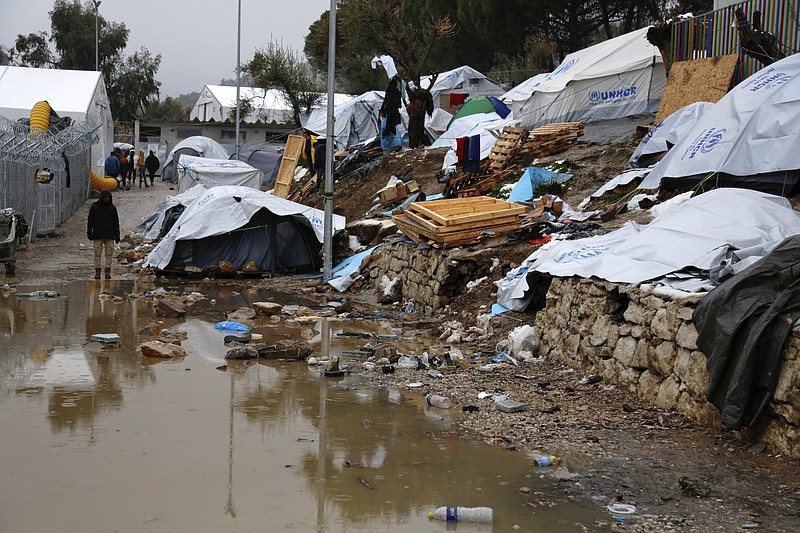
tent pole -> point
(327, 257)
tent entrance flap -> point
(277, 244)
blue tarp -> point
(229, 325)
(523, 190)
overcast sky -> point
(196, 38)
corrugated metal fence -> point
(715, 34)
(45, 206)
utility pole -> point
(327, 245)
(96, 34)
(238, 75)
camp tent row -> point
(218, 102)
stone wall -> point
(645, 341)
(430, 277)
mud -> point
(680, 477)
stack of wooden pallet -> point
(552, 138)
(506, 146)
(458, 221)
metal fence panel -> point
(715, 34)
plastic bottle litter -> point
(547, 460)
(435, 374)
(435, 400)
(475, 515)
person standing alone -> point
(102, 229)
(140, 168)
(152, 163)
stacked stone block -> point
(646, 343)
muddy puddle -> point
(97, 438)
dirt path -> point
(56, 260)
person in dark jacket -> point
(112, 166)
(152, 165)
(319, 164)
(102, 229)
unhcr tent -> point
(197, 146)
(155, 225)
(240, 224)
(194, 170)
(521, 92)
(615, 78)
(747, 139)
(666, 134)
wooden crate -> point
(458, 221)
(291, 155)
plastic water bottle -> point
(475, 515)
(442, 402)
(547, 460)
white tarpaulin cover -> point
(669, 131)
(222, 210)
(197, 145)
(521, 92)
(613, 79)
(194, 170)
(703, 233)
(477, 124)
(462, 80)
(149, 226)
(752, 130)
(355, 121)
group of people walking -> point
(125, 165)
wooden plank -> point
(461, 214)
(291, 155)
(442, 213)
(696, 80)
(481, 222)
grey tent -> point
(240, 225)
(198, 146)
(267, 161)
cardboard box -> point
(412, 186)
(389, 195)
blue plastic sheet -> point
(523, 190)
(229, 325)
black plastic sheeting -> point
(743, 325)
(278, 244)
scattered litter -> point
(106, 338)
(435, 374)
(482, 395)
(415, 385)
(621, 508)
(231, 326)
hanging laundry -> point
(473, 159)
(457, 99)
(388, 65)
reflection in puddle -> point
(112, 443)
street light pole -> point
(96, 34)
(238, 74)
(327, 245)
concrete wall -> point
(646, 343)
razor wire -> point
(22, 144)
